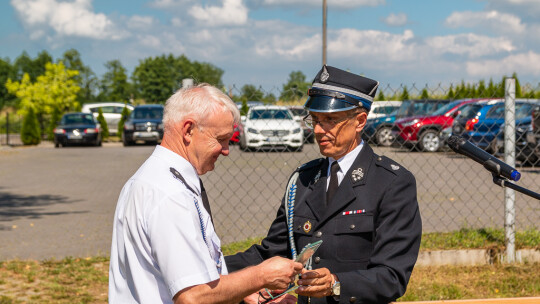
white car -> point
(112, 112)
(271, 126)
(383, 108)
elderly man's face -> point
(338, 133)
(211, 142)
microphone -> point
(462, 146)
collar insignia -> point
(357, 174)
(324, 75)
(394, 167)
(317, 177)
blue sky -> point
(413, 42)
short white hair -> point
(199, 101)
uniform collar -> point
(181, 165)
(347, 160)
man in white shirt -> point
(164, 247)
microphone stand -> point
(503, 182)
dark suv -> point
(145, 123)
(379, 130)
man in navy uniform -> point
(361, 205)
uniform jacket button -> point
(318, 234)
(317, 260)
(352, 299)
(352, 226)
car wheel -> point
(296, 149)
(56, 145)
(126, 142)
(384, 137)
(430, 141)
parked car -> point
(77, 128)
(425, 131)
(383, 108)
(469, 115)
(533, 133)
(484, 129)
(112, 112)
(271, 126)
(145, 124)
(237, 131)
(299, 112)
(379, 130)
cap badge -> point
(394, 167)
(324, 75)
(307, 226)
(357, 174)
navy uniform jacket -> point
(373, 251)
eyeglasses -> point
(325, 124)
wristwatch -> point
(336, 288)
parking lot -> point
(60, 202)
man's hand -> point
(315, 283)
(256, 298)
(278, 272)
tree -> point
(250, 92)
(451, 94)
(30, 130)
(519, 94)
(125, 114)
(244, 109)
(7, 71)
(425, 94)
(103, 124)
(404, 94)
(295, 88)
(55, 119)
(87, 80)
(114, 84)
(33, 67)
(55, 89)
(381, 96)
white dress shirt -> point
(344, 163)
(157, 244)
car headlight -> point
(410, 123)
(297, 130)
(251, 130)
(128, 126)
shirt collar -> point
(181, 165)
(347, 160)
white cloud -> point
(524, 63)
(396, 19)
(343, 4)
(140, 22)
(233, 12)
(75, 18)
(471, 45)
(177, 22)
(169, 3)
(525, 8)
(493, 20)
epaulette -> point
(388, 164)
(311, 164)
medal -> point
(307, 226)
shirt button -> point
(317, 260)
(352, 227)
(318, 234)
(352, 299)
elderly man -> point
(164, 246)
(362, 205)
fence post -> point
(7, 128)
(510, 159)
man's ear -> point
(187, 130)
(361, 119)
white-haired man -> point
(164, 247)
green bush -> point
(104, 127)
(55, 119)
(125, 114)
(30, 130)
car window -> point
(108, 109)
(403, 110)
(299, 111)
(148, 113)
(384, 110)
(523, 110)
(270, 114)
(469, 111)
(496, 111)
(118, 110)
(442, 110)
(424, 108)
(77, 119)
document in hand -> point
(302, 258)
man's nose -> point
(318, 129)
(225, 150)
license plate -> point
(73, 136)
(274, 139)
(146, 134)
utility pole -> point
(324, 33)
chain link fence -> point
(454, 192)
(10, 128)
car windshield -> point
(469, 111)
(446, 108)
(403, 109)
(418, 107)
(270, 114)
(77, 119)
(148, 113)
(299, 111)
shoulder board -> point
(311, 164)
(388, 164)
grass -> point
(85, 280)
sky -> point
(260, 42)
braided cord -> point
(290, 198)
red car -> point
(424, 131)
(236, 135)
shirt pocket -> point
(353, 237)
